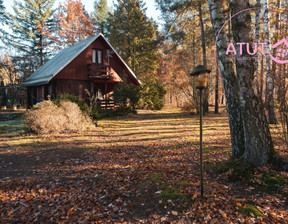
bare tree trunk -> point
(229, 28)
(193, 51)
(202, 33)
(257, 40)
(261, 78)
(259, 148)
(274, 68)
(216, 110)
(41, 51)
(206, 93)
(269, 90)
(229, 81)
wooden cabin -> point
(92, 64)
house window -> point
(97, 56)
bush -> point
(48, 118)
(126, 96)
(68, 97)
(152, 94)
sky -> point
(150, 5)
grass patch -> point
(249, 209)
(171, 193)
(271, 183)
(13, 127)
(238, 170)
(205, 149)
(155, 177)
(184, 183)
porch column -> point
(106, 99)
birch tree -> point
(258, 142)
(229, 82)
(254, 132)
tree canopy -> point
(101, 14)
(74, 24)
(30, 23)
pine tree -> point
(3, 19)
(31, 23)
(134, 37)
(2, 12)
(101, 14)
(74, 24)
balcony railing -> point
(108, 104)
(97, 71)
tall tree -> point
(30, 22)
(2, 13)
(181, 20)
(203, 44)
(134, 37)
(74, 24)
(258, 147)
(202, 33)
(258, 142)
(3, 20)
(101, 14)
(216, 108)
(269, 79)
(229, 82)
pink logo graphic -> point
(281, 52)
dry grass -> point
(48, 118)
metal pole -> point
(201, 151)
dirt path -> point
(139, 168)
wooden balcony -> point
(99, 71)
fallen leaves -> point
(124, 173)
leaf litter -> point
(137, 169)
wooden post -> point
(106, 100)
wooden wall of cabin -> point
(73, 87)
(78, 68)
(36, 94)
(73, 79)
